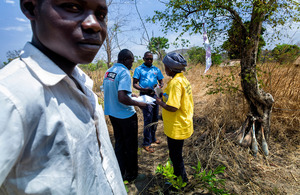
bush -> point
(93, 66)
(197, 55)
(285, 53)
(216, 59)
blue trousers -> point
(150, 114)
(175, 153)
(126, 145)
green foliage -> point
(183, 43)
(233, 45)
(209, 180)
(223, 83)
(3, 64)
(139, 61)
(93, 66)
(197, 55)
(157, 46)
(216, 59)
(126, 187)
(168, 172)
(260, 74)
(11, 55)
(187, 16)
(202, 179)
(286, 53)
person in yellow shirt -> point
(178, 109)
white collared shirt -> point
(49, 129)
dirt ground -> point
(278, 174)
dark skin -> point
(159, 101)
(148, 59)
(122, 95)
(67, 31)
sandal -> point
(148, 149)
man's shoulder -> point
(117, 69)
(117, 73)
(156, 68)
(15, 67)
(139, 67)
(19, 85)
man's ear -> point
(29, 8)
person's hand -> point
(133, 95)
(148, 91)
(159, 101)
(142, 105)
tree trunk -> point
(108, 50)
(259, 101)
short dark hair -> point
(148, 52)
(124, 54)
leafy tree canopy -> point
(157, 45)
(188, 15)
(234, 41)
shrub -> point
(285, 53)
(197, 55)
(93, 66)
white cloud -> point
(21, 19)
(15, 28)
(10, 1)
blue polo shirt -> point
(117, 78)
(147, 76)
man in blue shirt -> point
(145, 78)
(120, 108)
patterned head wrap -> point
(175, 62)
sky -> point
(15, 28)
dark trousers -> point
(150, 114)
(175, 152)
(126, 145)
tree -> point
(218, 15)
(157, 46)
(232, 44)
(11, 55)
(198, 55)
(286, 53)
(117, 24)
(111, 41)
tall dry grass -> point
(283, 83)
(224, 112)
(217, 114)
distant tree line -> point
(282, 54)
